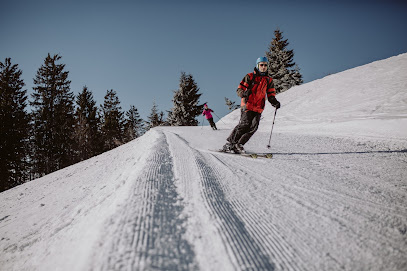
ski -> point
(248, 154)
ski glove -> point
(274, 102)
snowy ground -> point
(334, 196)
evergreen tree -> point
(86, 128)
(53, 118)
(231, 105)
(14, 127)
(281, 63)
(112, 121)
(155, 118)
(185, 102)
(296, 77)
(134, 124)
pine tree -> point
(281, 64)
(86, 127)
(231, 105)
(134, 125)
(185, 102)
(112, 121)
(53, 118)
(14, 127)
(154, 119)
(296, 77)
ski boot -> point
(238, 148)
(228, 147)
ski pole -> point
(275, 113)
(218, 117)
(202, 121)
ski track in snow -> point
(243, 248)
(189, 210)
(315, 202)
(337, 204)
(331, 214)
(147, 233)
(285, 213)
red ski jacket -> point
(253, 90)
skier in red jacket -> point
(253, 90)
(207, 113)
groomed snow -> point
(333, 197)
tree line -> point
(63, 129)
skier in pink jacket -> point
(207, 113)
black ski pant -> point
(212, 123)
(248, 124)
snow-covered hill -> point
(334, 197)
(367, 102)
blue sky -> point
(139, 48)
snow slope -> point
(334, 197)
(368, 102)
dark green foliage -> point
(154, 119)
(112, 121)
(53, 118)
(282, 68)
(14, 127)
(231, 105)
(87, 137)
(134, 126)
(185, 101)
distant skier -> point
(207, 113)
(253, 90)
